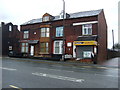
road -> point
(22, 74)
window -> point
(44, 47)
(59, 31)
(46, 18)
(26, 34)
(87, 29)
(45, 32)
(10, 28)
(58, 47)
(87, 54)
(24, 47)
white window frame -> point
(87, 29)
(60, 46)
(59, 30)
(26, 34)
(46, 18)
(46, 32)
(24, 47)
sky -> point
(21, 11)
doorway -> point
(31, 50)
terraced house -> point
(85, 35)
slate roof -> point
(72, 15)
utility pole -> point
(63, 46)
(113, 38)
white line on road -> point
(15, 87)
(107, 75)
(7, 68)
(59, 77)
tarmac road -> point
(24, 73)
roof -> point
(72, 15)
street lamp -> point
(63, 46)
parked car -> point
(15, 54)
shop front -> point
(86, 49)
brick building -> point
(85, 34)
(10, 38)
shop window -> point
(59, 31)
(24, 48)
(45, 32)
(87, 54)
(44, 47)
(87, 29)
(26, 34)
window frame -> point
(26, 34)
(45, 32)
(85, 29)
(46, 18)
(59, 31)
(60, 47)
(24, 47)
(45, 47)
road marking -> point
(15, 87)
(107, 75)
(59, 77)
(11, 69)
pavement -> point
(112, 63)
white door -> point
(74, 51)
(32, 50)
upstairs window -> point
(59, 31)
(45, 32)
(46, 18)
(26, 34)
(10, 28)
(87, 29)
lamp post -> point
(63, 46)
(113, 38)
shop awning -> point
(33, 41)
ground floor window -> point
(24, 48)
(87, 54)
(44, 47)
(58, 47)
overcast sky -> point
(20, 11)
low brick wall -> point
(113, 54)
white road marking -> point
(15, 87)
(107, 75)
(59, 77)
(11, 69)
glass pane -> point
(47, 29)
(26, 49)
(23, 49)
(46, 49)
(42, 34)
(59, 31)
(46, 44)
(23, 44)
(42, 49)
(57, 50)
(42, 29)
(42, 45)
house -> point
(10, 38)
(84, 33)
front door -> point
(32, 50)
